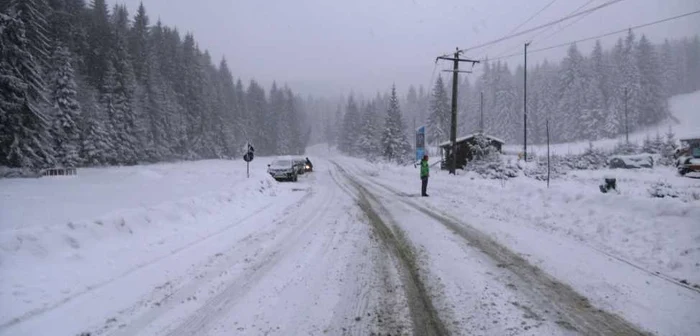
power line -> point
(524, 23)
(564, 28)
(568, 17)
(545, 30)
(567, 26)
(602, 35)
(532, 17)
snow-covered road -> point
(339, 253)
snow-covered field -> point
(685, 123)
(63, 238)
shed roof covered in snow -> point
(470, 136)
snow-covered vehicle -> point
(300, 165)
(283, 169)
(688, 161)
(632, 161)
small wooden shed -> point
(463, 149)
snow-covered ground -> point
(63, 238)
(195, 248)
(685, 123)
(629, 253)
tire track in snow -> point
(576, 311)
(424, 316)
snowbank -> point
(64, 235)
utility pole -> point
(525, 105)
(455, 82)
(481, 109)
(548, 169)
(627, 130)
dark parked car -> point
(300, 165)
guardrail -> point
(59, 172)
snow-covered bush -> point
(487, 162)
(663, 189)
(6, 172)
(495, 169)
(626, 148)
(592, 158)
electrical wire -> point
(568, 17)
(510, 50)
(602, 35)
(485, 52)
(532, 17)
(567, 26)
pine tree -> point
(99, 42)
(439, 116)
(507, 121)
(243, 119)
(24, 138)
(692, 66)
(368, 143)
(592, 119)
(191, 84)
(139, 43)
(256, 104)
(126, 122)
(669, 70)
(350, 128)
(572, 87)
(33, 14)
(395, 146)
(294, 118)
(227, 109)
(670, 145)
(652, 102)
(279, 137)
(65, 132)
(95, 142)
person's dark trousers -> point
(424, 187)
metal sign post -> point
(248, 156)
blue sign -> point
(420, 143)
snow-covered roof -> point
(692, 138)
(464, 138)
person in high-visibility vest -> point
(424, 175)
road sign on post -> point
(420, 143)
(249, 156)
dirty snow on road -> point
(629, 254)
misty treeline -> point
(84, 85)
(370, 128)
(583, 95)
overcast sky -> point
(328, 47)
